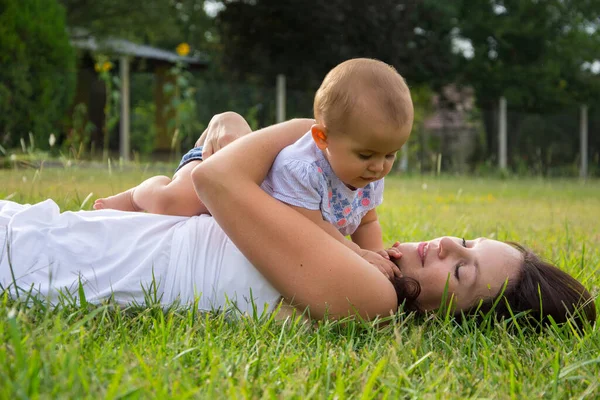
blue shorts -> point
(194, 154)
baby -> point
(333, 175)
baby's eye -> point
(364, 156)
(391, 156)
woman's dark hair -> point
(407, 291)
(542, 291)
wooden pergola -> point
(133, 56)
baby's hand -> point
(382, 263)
(393, 252)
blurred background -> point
(499, 86)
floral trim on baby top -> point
(346, 212)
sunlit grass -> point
(75, 351)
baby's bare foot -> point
(122, 201)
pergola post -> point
(124, 141)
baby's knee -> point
(233, 120)
(229, 115)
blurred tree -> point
(135, 19)
(164, 23)
(305, 38)
(533, 53)
(37, 78)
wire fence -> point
(547, 144)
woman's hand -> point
(381, 262)
(222, 129)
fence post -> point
(280, 98)
(502, 133)
(124, 120)
(403, 163)
(583, 140)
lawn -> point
(79, 351)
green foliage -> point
(37, 78)
(78, 139)
(143, 127)
(182, 107)
(305, 39)
(112, 105)
(125, 19)
(164, 23)
(531, 52)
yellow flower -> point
(183, 49)
(107, 66)
(98, 67)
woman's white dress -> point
(126, 256)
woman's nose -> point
(448, 246)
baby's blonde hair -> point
(358, 82)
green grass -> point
(82, 351)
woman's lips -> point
(422, 251)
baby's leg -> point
(170, 197)
(160, 195)
(122, 201)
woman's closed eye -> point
(460, 264)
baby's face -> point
(366, 150)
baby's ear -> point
(319, 135)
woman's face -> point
(474, 269)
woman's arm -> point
(377, 258)
(306, 265)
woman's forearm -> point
(251, 157)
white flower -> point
(52, 140)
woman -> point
(252, 259)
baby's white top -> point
(119, 255)
(301, 176)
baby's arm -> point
(368, 235)
(387, 267)
(316, 217)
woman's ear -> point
(319, 135)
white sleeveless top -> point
(119, 255)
